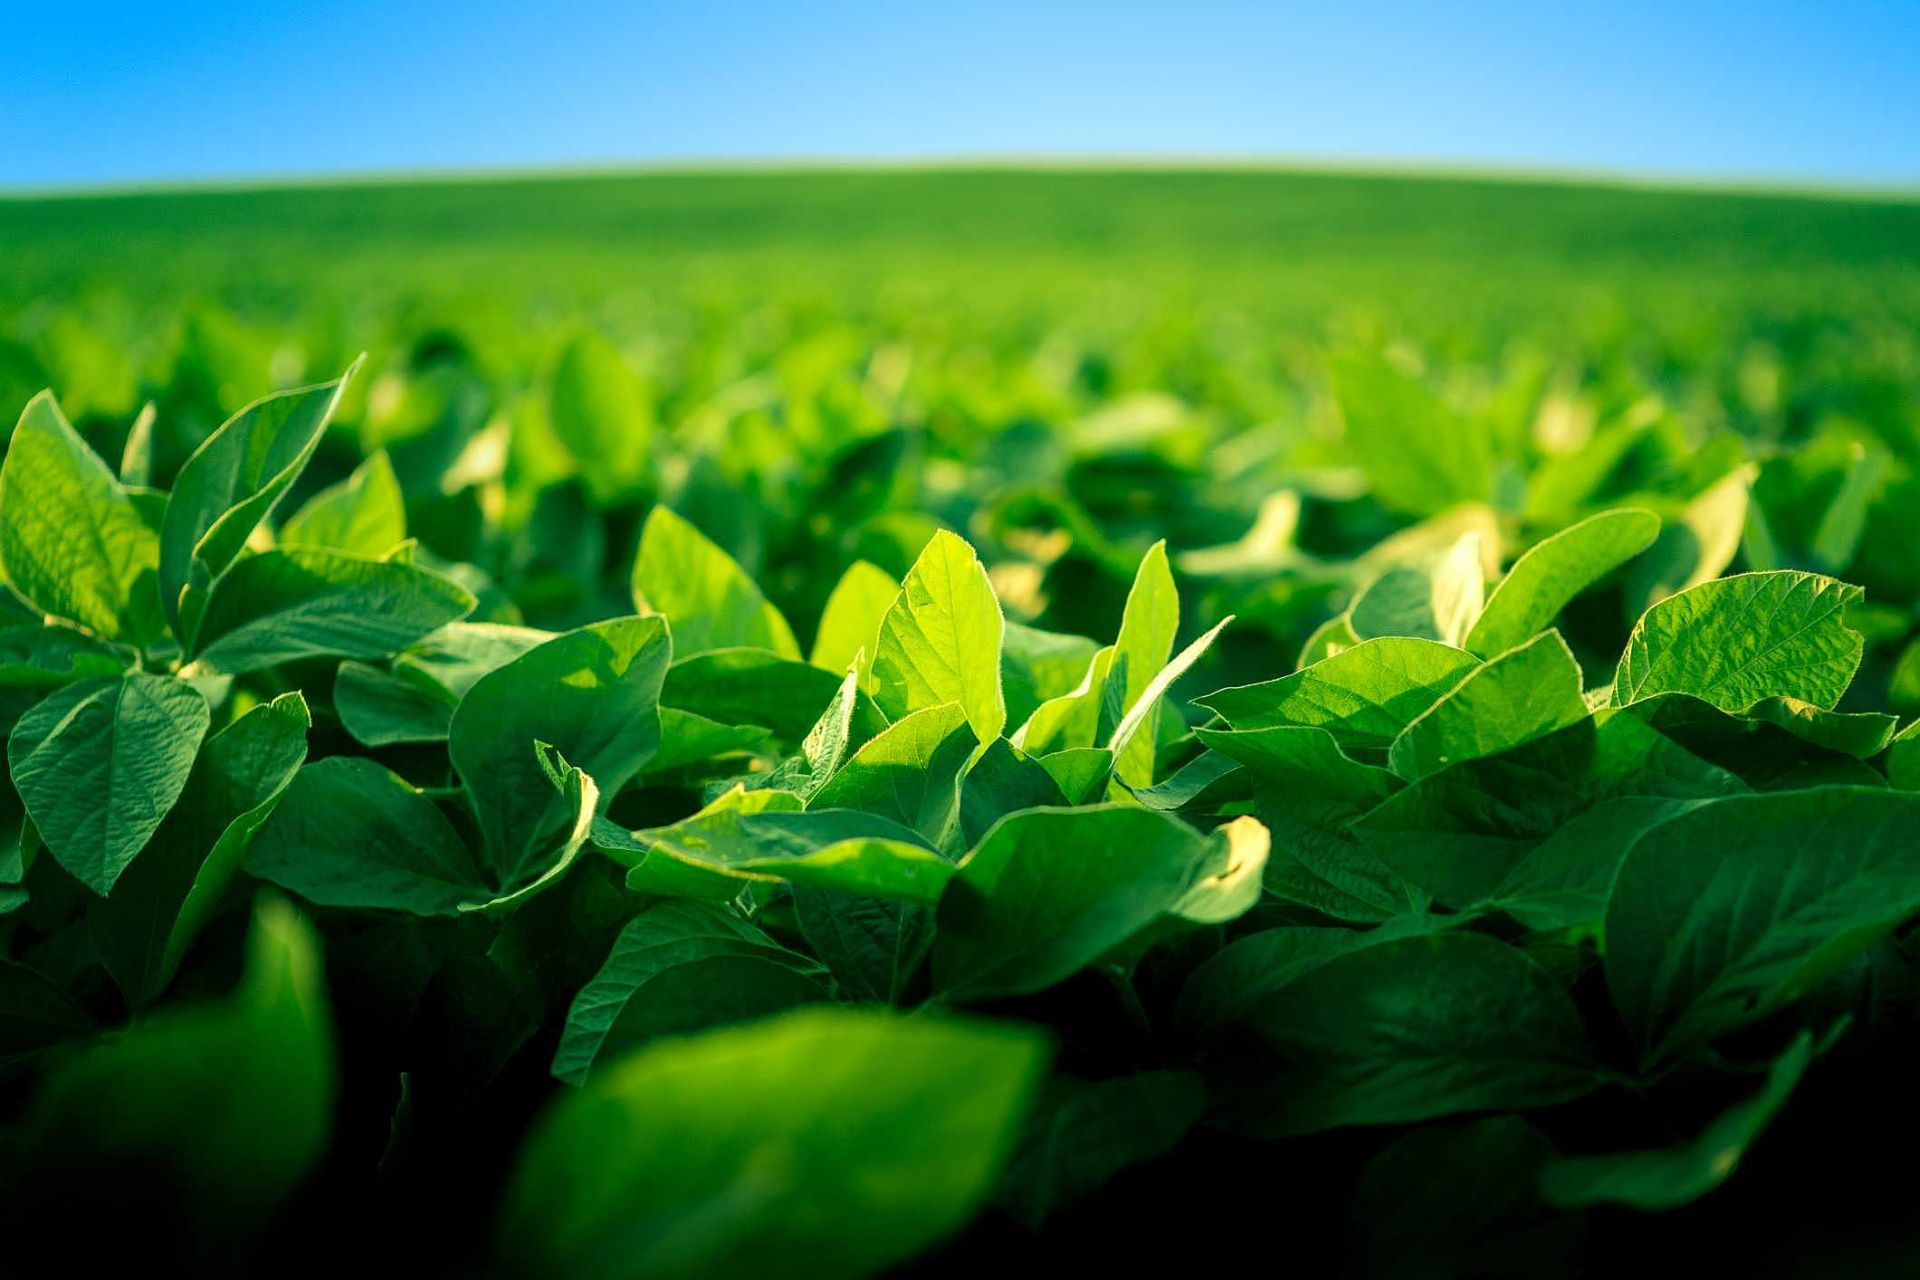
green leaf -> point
(1083, 1132)
(1037, 666)
(163, 901)
(1081, 773)
(1364, 696)
(363, 515)
(1697, 542)
(285, 606)
(706, 596)
(1564, 881)
(381, 708)
(1555, 570)
(602, 414)
(1420, 457)
(1903, 758)
(1735, 909)
(872, 946)
(1140, 716)
(235, 1142)
(1050, 891)
(760, 834)
(580, 803)
(1668, 1177)
(1003, 780)
(101, 762)
(1458, 833)
(1148, 625)
(851, 620)
(136, 455)
(72, 543)
(1436, 598)
(591, 694)
(910, 772)
(1407, 1031)
(679, 967)
(1735, 641)
(1071, 721)
(1772, 748)
(753, 686)
(34, 660)
(1228, 987)
(1860, 734)
(230, 484)
(350, 833)
(754, 1148)
(1307, 790)
(1521, 695)
(940, 641)
(454, 658)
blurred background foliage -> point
(1295, 378)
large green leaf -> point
(746, 835)
(34, 660)
(381, 708)
(1521, 695)
(1148, 625)
(230, 484)
(1737, 908)
(234, 1101)
(1037, 665)
(161, 903)
(591, 694)
(1735, 641)
(940, 641)
(1364, 696)
(72, 543)
(1001, 781)
(1051, 891)
(872, 946)
(363, 515)
(1406, 1031)
(101, 762)
(1459, 833)
(679, 967)
(1141, 716)
(756, 687)
(755, 1149)
(909, 772)
(307, 602)
(1564, 881)
(1307, 791)
(706, 596)
(350, 833)
(1228, 988)
(1556, 569)
(1435, 598)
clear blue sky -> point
(119, 92)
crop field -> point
(847, 722)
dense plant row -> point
(324, 870)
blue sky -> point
(107, 93)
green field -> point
(486, 801)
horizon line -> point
(1305, 164)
